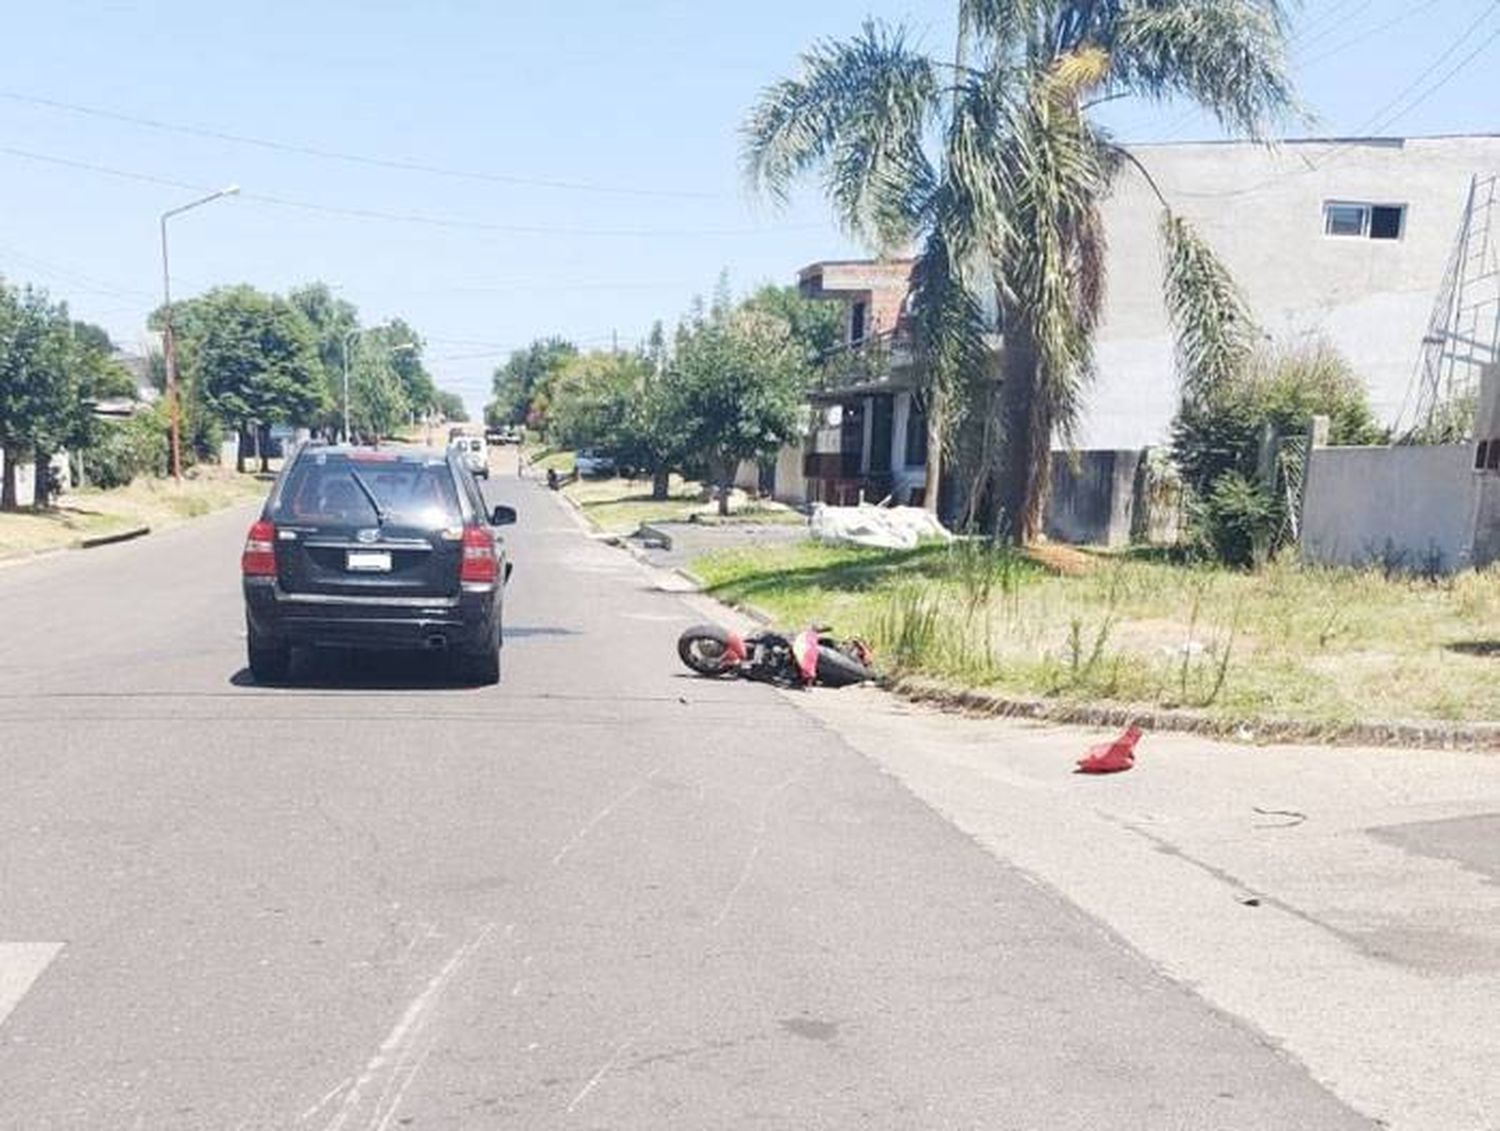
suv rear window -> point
(331, 488)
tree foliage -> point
(993, 168)
(450, 406)
(736, 386)
(41, 406)
(521, 386)
(1219, 433)
(253, 358)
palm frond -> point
(1215, 332)
(1227, 55)
(860, 110)
(1009, 21)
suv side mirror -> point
(503, 516)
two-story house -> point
(1353, 240)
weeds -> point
(1319, 644)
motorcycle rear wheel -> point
(835, 669)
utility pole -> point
(168, 342)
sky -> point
(578, 163)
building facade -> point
(1349, 240)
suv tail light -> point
(479, 563)
(259, 558)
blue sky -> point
(628, 112)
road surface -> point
(601, 894)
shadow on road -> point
(351, 669)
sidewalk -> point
(1344, 902)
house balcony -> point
(879, 363)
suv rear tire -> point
(269, 663)
(482, 667)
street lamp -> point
(169, 345)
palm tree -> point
(993, 168)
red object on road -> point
(1111, 757)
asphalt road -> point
(600, 895)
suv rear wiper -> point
(359, 481)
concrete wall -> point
(1413, 506)
(1092, 502)
(1262, 211)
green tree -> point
(521, 384)
(255, 359)
(817, 326)
(591, 398)
(735, 387)
(41, 406)
(450, 406)
(404, 346)
(378, 405)
(333, 320)
(1009, 193)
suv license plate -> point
(368, 561)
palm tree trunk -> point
(1025, 438)
(934, 453)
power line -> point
(366, 160)
(1370, 33)
(1434, 65)
(1383, 117)
(405, 217)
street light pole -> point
(169, 343)
(348, 337)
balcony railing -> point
(870, 361)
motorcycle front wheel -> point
(705, 649)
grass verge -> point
(620, 506)
(146, 502)
(1325, 647)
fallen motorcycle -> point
(796, 660)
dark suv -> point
(376, 548)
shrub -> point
(126, 449)
(1238, 520)
(1216, 441)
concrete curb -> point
(1483, 737)
(110, 539)
(650, 533)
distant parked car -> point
(590, 463)
(475, 453)
(502, 436)
(376, 548)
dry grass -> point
(1320, 645)
(146, 502)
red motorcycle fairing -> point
(805, 650)
(735, 651)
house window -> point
(856, 323)
(1364, 221)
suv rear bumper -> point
(463, 623)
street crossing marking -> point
(21, 964)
